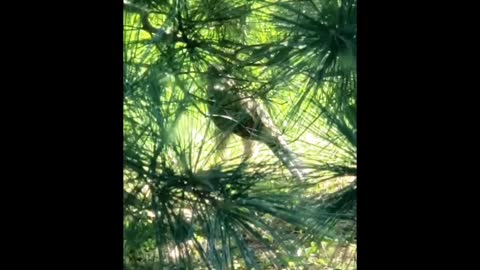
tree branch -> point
(146, 25)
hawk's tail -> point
(280, 148)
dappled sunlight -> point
(240, 134)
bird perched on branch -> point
(234, 112)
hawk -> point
(234, 112)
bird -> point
(232, 111)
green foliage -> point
(191, 199)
